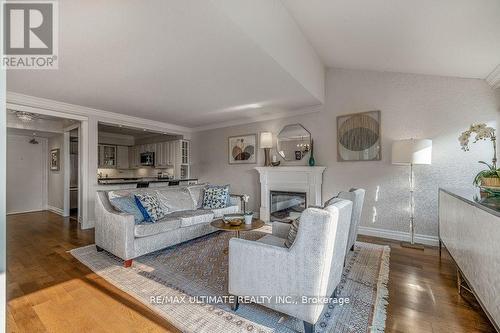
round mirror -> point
(294, 142)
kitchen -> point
(129, 157)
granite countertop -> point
(472, 196)
(117, 181)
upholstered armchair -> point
(311, 267)
(357, 196)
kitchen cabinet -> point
(162, 155)
(134, 157)
(182, 167)
(122, 157)
(106, 156)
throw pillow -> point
(151, 204)
(292, 233)
(196, 192)
(215, 197)
(143, 210)
(175, 199)
(127, 205)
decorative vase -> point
(311, 158)
(248, 218)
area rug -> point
(186, 285)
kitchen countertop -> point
(472, 196)
(117, 181)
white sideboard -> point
(469, 228)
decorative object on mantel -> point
(488, 180)
(294, 142)
(312, 162)
(411, 152)
(358, 137)
(242, 149)
(266, 143)
(54, 160)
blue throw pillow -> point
(127, 205)
(143, 210)
(215, 197)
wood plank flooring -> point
(50, 291)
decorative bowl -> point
(227, 218)
(235, 223)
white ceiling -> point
(182, 62)
(446, 37)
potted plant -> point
(491, 176)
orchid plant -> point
(482, 132)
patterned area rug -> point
(186, 285)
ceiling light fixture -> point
(25, 117)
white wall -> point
(26, 174)
(416, 106)
(55, 188)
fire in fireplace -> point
(286, 206)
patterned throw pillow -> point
(127, 205)
(292, 233)
(215, 197)
(151, 204)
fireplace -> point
(286, 206)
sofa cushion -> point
(189, 218)
(149, 229)
(219, 212)
(175, 199)
(127, 205)
(151, 204)
(215, 197)
(197, 192)
(272, 240)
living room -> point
(268, 166)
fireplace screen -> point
(287, 206)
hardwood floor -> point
(50, 291)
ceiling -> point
(203, 64)
(182, 62)
(458, 38)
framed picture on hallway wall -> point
(54, 160)
(242, 149)
(358, 137)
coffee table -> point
(221, 225)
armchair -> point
(311, 267)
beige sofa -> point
(117, 233)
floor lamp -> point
(411, 152)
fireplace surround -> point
(289, 179)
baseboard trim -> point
(56, 210)
(398, 235)
(26, 211)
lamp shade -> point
(266, 140)
(412, 151)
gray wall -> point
(55, 181)
(416, 106)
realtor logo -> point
(30, 35)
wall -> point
(55, 187)
(26, 174)
(416, 106)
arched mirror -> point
(294, 142)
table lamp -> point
(266, 142)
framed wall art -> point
(359, 137)
(242, 149)
(54, 160)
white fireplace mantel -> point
(291, 179)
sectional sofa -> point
(117, 233)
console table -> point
(469, 228)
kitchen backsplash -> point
(141, 172)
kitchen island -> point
(469, 228)
(144, 182)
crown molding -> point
(493, 78)
(256, 119)
(18, 99)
